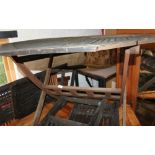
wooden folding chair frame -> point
(56, 91)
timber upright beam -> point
(133, 76)
(38, 83)
(43, 94)
(132, 73)
(130, 78)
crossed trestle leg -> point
(38, 83)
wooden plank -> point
(85, 92)
(7, 70)
(135, 31)
(147, 95)
(60, 103)
(131, 119)
(43, 94)
(123, 85)
(30, 76)
(11, 69)
(99, 73)
(3, 41)
(109, 31)
(133, 80)
(150, 46)
(132, 85)
(74, 44)
(96, 90)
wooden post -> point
(133, 74)
(31, 76)
(9, 69)
(133, 79)
(43, 94)
(130, 78)
(123, 85)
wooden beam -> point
(3, 41)
(147, 95)
(7, 69)
(131, 119)
(123, 85)
(43, 95)
(85, 92)
(11, 69)
(135, 31)
(133, 79)
(30, 76)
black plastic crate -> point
(6, 104)
(97, 114)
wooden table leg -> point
(43, 94)
(130, 78)
(38, 83)
(133, 74)
(133, 79)
(31, 77)
(123, 85)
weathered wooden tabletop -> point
(74, 44)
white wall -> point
(29, 34)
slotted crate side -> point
(82, 113)
(26, 96)
(85, 113)
(6, 104)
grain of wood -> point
(131, 119)
(147, 95)
(74, 44)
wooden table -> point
(127, 67)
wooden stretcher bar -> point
(84, 92)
